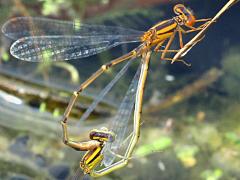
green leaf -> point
(43, 107)
(56, 112)
(71, 69)
(5, 56)
(215, 174)
(157, 145)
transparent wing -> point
(54, 48)
(19, 27)
(105, 91)
(39, 38)
(79, 174)
(120, 123)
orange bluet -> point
(38, 38)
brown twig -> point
(208, 78)
(36, 92)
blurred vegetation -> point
(231, 67)
(201, 142)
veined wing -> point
(40, 38)
(120, 123)
(19, 27)
(103, 93)
(55, 48)
(79, 174)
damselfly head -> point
(102, 135)
(185, 15)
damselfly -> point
(39, 38)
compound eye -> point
(179, 9)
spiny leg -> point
(159, 45)
(177, 60)
(167, 50)
(193, 29)
(168, 45)
(203, 20)
(180, 39)
(180, 31)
